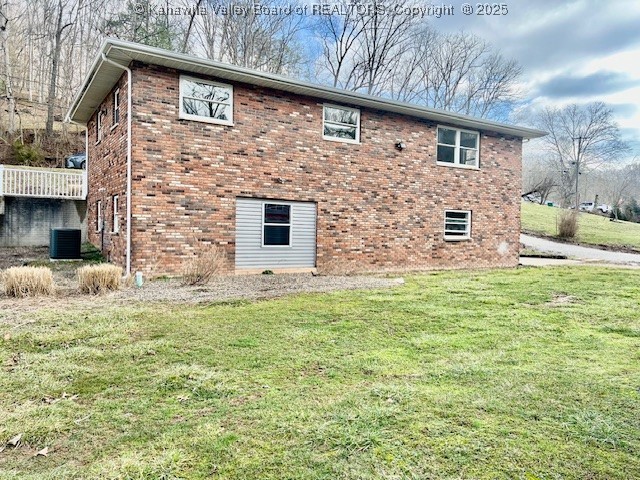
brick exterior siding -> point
(378, 208)
(107, 172)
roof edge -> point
(286, 84)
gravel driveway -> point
(579, 252)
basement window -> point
(457, 225)
(276, 225)
(341, 124)
(206, 101)
(457, 148)
(116, 215)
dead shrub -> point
(100, 278)
(568, 224)
(208, 262)
(28, 281)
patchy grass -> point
(89, 255)
(528, 373)
(592, 229)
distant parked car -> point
(77, 160)
(586, 206)
(532, 197)
(604, 208)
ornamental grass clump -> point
(102, 278)
(208, 262)
(23, 282)
(568, 224)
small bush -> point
(568, 224)
(28, 281)
(101, 278)
(199, 270)
(29, 155)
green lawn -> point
(528, 373)
(592, 229)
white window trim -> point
(341, 140)
(290, 225)
(99, 126)
(99, 216)
(457, 238)
(457, 147)
(116, 214)
(116, 107)
(188, 116)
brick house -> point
(184, 151)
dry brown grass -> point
(568, 224)
(100, 278)
(28, 281)
(210, 261)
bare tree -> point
(458, 72)
(539, 179)
(341, 36)
(386, 38)
(388, 53)
(580, 137)
(615, 185)
(8, 77)
(254, 40)
(60, 26)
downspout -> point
(129, 115)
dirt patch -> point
(19, 256)
(560, 299)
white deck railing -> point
(18, 181)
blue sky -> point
(571, 52)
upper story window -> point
(116, 108)
(458, 147)
(99, 126)
(341, 124)
(206, 101)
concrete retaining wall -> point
(26, 222)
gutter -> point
(290, 85)
(129, 121)
(156, 56)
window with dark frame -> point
(276, 225)
(457, 224)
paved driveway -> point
(578, 252)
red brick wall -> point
(108, 176)
(377, 207)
